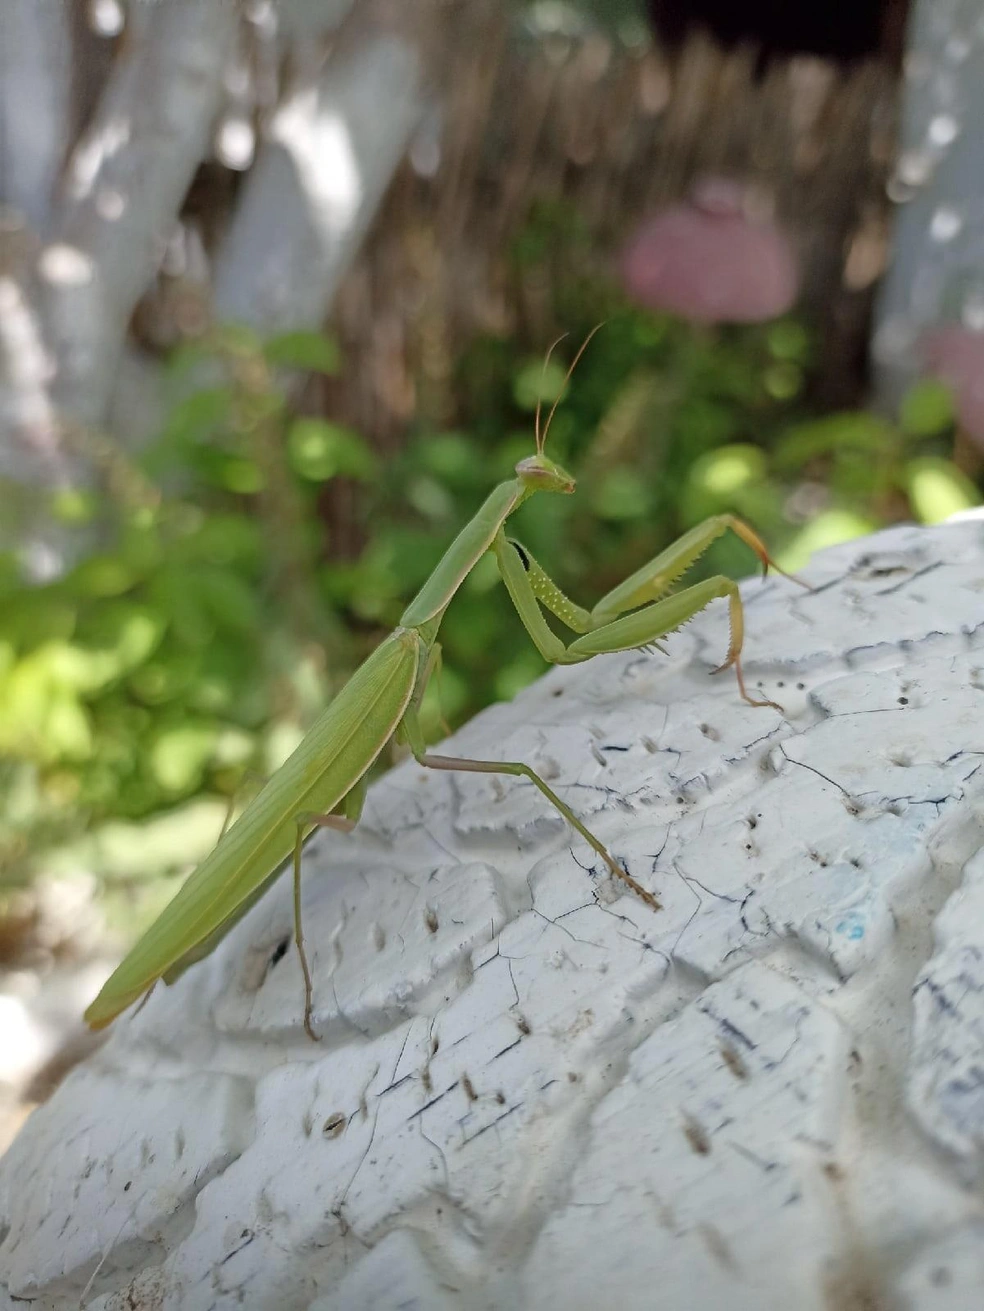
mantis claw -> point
(734, 661)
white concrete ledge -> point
(532, 1090)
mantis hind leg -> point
(350, 809)
(514, 767)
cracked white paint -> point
(533, 1091)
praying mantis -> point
(323, 783)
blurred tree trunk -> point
(937, 271)
(87, 217)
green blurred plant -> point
(213, 621)
(193, 643)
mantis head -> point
(538, 473)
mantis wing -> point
(333, 756)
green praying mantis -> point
(323, 784)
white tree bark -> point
(125, 184)
(936, 275)
(71, 279)
(330, 152)
(35, 98)
(532, 1091)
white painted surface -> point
(532, 1091)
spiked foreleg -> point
(645, 626)
(657, 578)
(527, 586)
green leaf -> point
(847, 431)
(135, 851)
(722, 472)
(453, 457)
(240, 475)
(39, 718)
(938, 489)
(539, 382)
(126, 631)
(312, 351)
(223, 675)
(232, 604)
(926, 409)
(175, 596)
(37, 616)
(141, 548)
(828, 528)
(11, 581)
(430, 498)
(720, 480)
(788, 340)
(319, 450)
(783, 381)
(517, 674)
(179, 756)
(73, 505)
(68, 733)
(166, 677)
(229, 539)
(281, 738)
(101, 576)
(621, 494)
(200, 416)
(234, 747)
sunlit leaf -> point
(828, 529)
(849, 430)
(129, 631)
(101, 576)
(68, 732)
(788, 340)
(165, 678)
(783, 381)
(241, 475)
(312, 351)
(200, 416)
(538, 381)
(319, 450)
(927, 408)
(73, 505)
(938, 489)
(179, 755)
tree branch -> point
(35, 94)
(331, 151)
(126, 182)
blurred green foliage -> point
(213, 620)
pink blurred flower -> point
(956, 355)
(708, 261)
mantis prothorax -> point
(323, 784)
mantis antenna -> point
(536, 422)
(541, 438)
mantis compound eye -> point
(539, 473)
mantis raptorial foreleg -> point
(654, 614)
